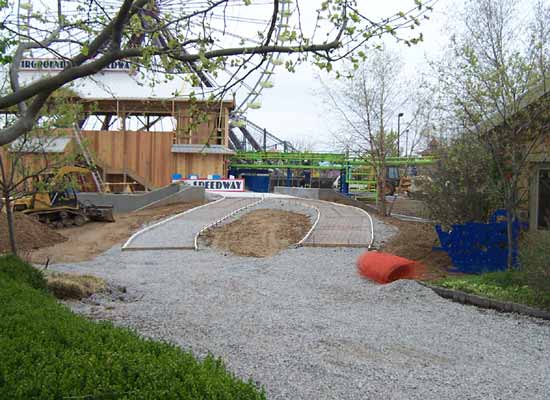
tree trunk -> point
(511, 205)
(381, 188)
(11, 225)
(510, 236)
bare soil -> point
(407, 206)
(85, 242)
(260, 233)
(415, 241)
(29, 234)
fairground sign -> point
(57, 64)
(217, 185)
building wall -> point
(200, 164)
(539, 158)
(29, 164)
(148, 155)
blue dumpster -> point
(257, 183)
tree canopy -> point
(172, 37)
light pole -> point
(399, 132)
(406, 133)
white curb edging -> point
(148, 228)
(206, 227)
(308, 234)
(364, 211)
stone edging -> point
(484, 302)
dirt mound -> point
(29, 234)
(260, 233)
(415, 241)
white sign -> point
(57, 64)
(217, 185)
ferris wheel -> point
(242, 25)
(237, 24)
(220, 25)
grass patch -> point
(47, 352)
(12, 268)
(509, 286)
(534, 258)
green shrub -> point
(535, 260)
(460, 187)
(16, 269)
(47, 352)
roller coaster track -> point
(254, 137)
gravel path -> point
(180, 232)
(305, 325)
(338, 225)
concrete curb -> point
(308, 234)
(184, 195)
(340, 245)
(158, 248)
(484, 302)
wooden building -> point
(150, 140)
(143, 143)
(534, 182)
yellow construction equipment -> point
(58, 206)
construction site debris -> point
(385, 268)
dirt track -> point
(94, 238)
(260, 233)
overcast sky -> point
(293, 109)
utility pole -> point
(406, 142)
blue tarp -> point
(477, 247)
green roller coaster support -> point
(295, 160)
(284, 166)
(359, 182)
(360, 173)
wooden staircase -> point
(128, 178)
